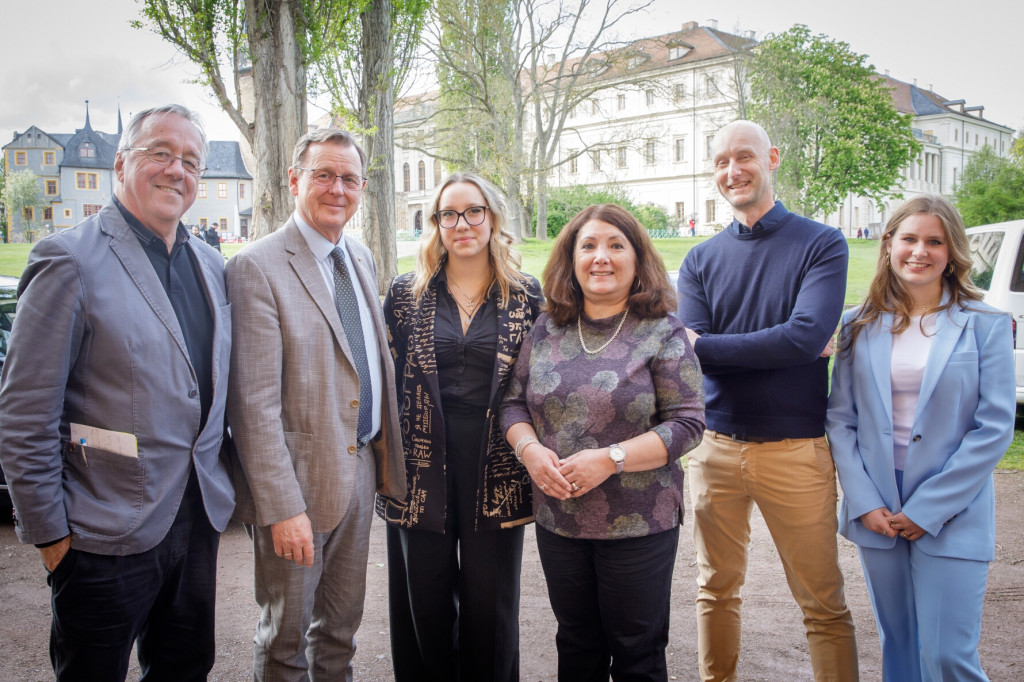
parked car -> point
(997, 252)
(8, 302)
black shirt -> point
(465, 363)
(178, 272)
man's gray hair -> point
(325, 136)
(131, 133)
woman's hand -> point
(905, 527)
(877, 521)
(542, 465)
(586, 470)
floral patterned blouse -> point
(647, 379)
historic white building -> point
(650, 132)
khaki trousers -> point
(793, 483)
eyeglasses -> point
(474, 215)
(325, 178)
(162, 157)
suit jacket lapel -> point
(304, 264)
(879, 347)
(949, 325)
(128, 250)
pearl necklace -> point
(579, 330)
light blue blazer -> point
(962, 427)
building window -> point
(48, 213)
(620, 155)
(650, 98)
(595, 161)
(709, 211)
(85, 181)
(202, 190)
(224, 224)
(956, 134)
(49, 158)
(595, 108)
(679, 92)
(87, 150)
(680, 209)
(437, 172)
(243, 226)
(649, 153)
(621, 101)
(422, 176)
(975, 139)
(241, 190)
(67, 213)
(20, 158)
(28, 213)
(573, 165)
(51, 188)
(222, 190)
(203, 223)
(90, 209)
(708, 140)
(709, 86)
(406, 181)
(679, 149)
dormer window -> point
(678, 51)
(87, 150)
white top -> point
(909, 357)
(322, 248)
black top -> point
(179, 274)
(465, 363)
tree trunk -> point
(279, 114)
(376, 114)
(542, 206)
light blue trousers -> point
(928, 611)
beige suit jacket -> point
(293, 390)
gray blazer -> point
(292, 411)
(96, 342)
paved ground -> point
(773, 647)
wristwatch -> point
(618, 455)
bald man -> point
(761, 301)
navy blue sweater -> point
(765, 304)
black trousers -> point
(612, 602)
(163, 597)
(454, 597)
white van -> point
(998, 268)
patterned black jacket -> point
(503, 490)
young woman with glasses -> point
(455, 543)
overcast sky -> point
(57, 54)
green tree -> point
(21, 191)
(4, 236)
(832, 119)
(566, 202)
(991, 189)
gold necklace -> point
(579, 330)
(928, 306)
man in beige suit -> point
(313, 415)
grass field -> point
(863, 258)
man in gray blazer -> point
(112, 414)
(313, 414)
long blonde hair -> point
(887, 293)
(505, 261)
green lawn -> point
(863, 258)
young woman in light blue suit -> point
(921, 410)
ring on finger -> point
(575, 486)
(543, 486)
(289, 555)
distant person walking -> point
(212, 238)
(693, 228)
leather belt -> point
(742, 438)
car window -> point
(1018, 268)
(984, 249)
